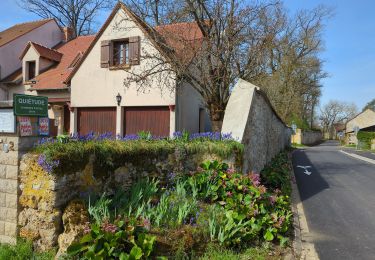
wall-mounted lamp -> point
(118, 98)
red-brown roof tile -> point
(45, 52)
(54, 78)
(18, 30)
(184, 38)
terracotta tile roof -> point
(55, 77)
(45, 52)
(187, 31)
(184, 38)
(18, 30)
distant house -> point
(12, 42)
(97, 82)
(364, 121)
(54, 67)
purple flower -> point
(47, 165)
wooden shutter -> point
(105, 54)
(134, 50)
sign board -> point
(25, 126)
(7, 121)
(43, 126)
(26, 105)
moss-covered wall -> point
(44, 196)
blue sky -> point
(349, 45)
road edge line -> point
(303, 249)
(368, 160)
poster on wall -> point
(43, 126)
(25, 126)
(7, 121)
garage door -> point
(153, 119)
(97, 119)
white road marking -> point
(359, 157)
(307, 172)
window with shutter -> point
(105, 54)
(134, 46)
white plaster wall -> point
(189, 103)
(93, 86)
(363, 120)
(48, 35)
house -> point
(338, 130)
(12, 42)
(104, 99)
(53, 67)
(364, 121)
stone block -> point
(10, 158)
(11, 201)
(2, 199)
(10, 229)
(12, 172)
(3, 171)
(8, 240)
(8, 186)
(8, 215)
(2, 228)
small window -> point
(30, 70)
(120, 53)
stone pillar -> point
(11, 151)
(73, 121)
(172, 120)
(119, 121)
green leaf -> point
(136, 253)
(268, 236)
(86, 238)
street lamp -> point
(118, 98)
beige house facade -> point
(364, 121)
(98, 82)
(12, 42)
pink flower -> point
(272, 199)
(262, 189)
(255, 178)
(87, 228)
(229, 194)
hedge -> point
(365, 139)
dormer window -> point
(120, 53)
(31, 70)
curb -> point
(303, 249)
(368, 160)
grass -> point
(253, 253)
(295, 145)
(23, 251)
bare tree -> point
(336, 112)
(370, 105)
(77, 14)
(229, 39)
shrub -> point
(72, 155)
(23, 250)
(113, 240)
(365, 139)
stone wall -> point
(9, 167)
(307, 137)
(251, 119)
(45, 199)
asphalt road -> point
(338, 198)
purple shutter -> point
(134, 50)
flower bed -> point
(212, 205)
